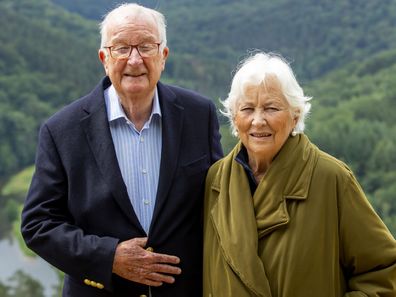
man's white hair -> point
(132, 9)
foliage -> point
(12, 196)
(9, 212)
(339, 45)
(18, 185)
(341, 51)
(353, 118)
(38, 61)
(21, 284)
(45, 46)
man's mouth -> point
(134, 74)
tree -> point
(22, 285)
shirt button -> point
(144, 171)
(146, 201)
(142, 139)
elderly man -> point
(116, 199)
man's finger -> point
(168, 269)
(160, 278)
(164, 258)
(140, 241)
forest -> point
(343, 53)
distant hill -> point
(353, 118)
(343, 53)
(207, 38)
(47, 58)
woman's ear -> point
(296, 117)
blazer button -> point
(100, 286)
(87, 282)
(93, 284)
(143, 295)
(149, 249)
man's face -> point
(134, 76)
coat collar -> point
(240, 220)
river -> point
(12, 259)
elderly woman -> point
(283, 218)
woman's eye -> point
(271, 109)
(246, 108)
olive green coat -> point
(308, 231)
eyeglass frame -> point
(131, 47)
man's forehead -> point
(139, 22)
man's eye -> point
(145, 48)
(121, 48)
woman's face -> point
(263, 120)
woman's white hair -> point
(132, 9)
(254, 71)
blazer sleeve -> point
(215, 137)
(368, 248)
(48, 227)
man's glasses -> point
(123, 51)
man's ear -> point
(165, 53)
(103, 56)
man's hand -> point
(133, 262)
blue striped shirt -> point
(138, 154)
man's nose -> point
(134, 56)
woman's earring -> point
(293, 133)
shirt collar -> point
(243, 158)
(115, 110)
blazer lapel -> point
(172, 124)
(96, 127)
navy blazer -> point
(77, 209)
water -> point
(12, 259)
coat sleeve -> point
(48, 227)
(368, 249)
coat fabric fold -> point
(292, 237)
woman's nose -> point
(259, 118)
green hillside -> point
(207, 38)
(354, 118)
(42, 66)
(342, 52)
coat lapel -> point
(233, 218)
(172, 125)
(96, 127)
(241, 220)
(288, 178)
